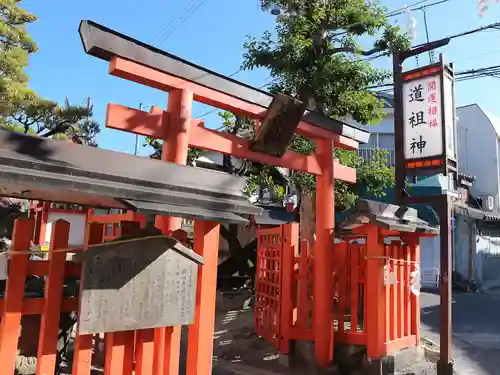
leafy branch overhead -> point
(315, 54)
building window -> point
(386, 141)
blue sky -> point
(213, 36)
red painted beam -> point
(124, 118)
(144, 75)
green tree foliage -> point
(316, 55)
(15, 47)
(50, 120)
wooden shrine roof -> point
(387, 216)
(52, 170)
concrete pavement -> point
(476, 330)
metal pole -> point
(397, 67)
(431, 53)
(137, 135)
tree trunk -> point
(308, 218)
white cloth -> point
(389, 277)
(415, 280)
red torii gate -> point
(146, 65)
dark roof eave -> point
(104, 43)
(44, 169)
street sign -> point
(423, 123)
(428, 120)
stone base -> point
(445, 368)
(352, 360)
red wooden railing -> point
(111, 228)
(125, 352)
(384, 318)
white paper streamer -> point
(389, 277)
(412, 24)
(415, 279)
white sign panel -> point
(449, 115)
(423, 134)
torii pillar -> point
(323, 256)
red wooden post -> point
(401, 291)
(144, 352)
(393, 313)
(200, 336)
(304, 285)
(325, 222)
(119, 353)
(354, 288)
(290, 240)
(14, 293)
(414, 244)
(144, 338)
(120, 345)
(388, 308)
(374, 293)
(175, 149)
(407, 291)
(49, 325)
(82, 359)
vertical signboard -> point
(428, 122)
(423, 125)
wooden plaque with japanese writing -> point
(138, 284)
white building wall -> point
(77, 222)
(478, 149)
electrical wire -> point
(396, 12)
(464, 75)
(169, 24)
(188, 11)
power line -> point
(396, 12)
(463, 75)
(188, 12)
(479, 55)
(168, 26)
(465, 33)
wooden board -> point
(138, 284)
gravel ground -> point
(476, 338)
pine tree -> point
(15, 46)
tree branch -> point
(357, 51)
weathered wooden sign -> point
(279, 125)
(138, 284)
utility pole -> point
(137, 135)
(431, 53)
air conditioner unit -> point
(488, 203)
